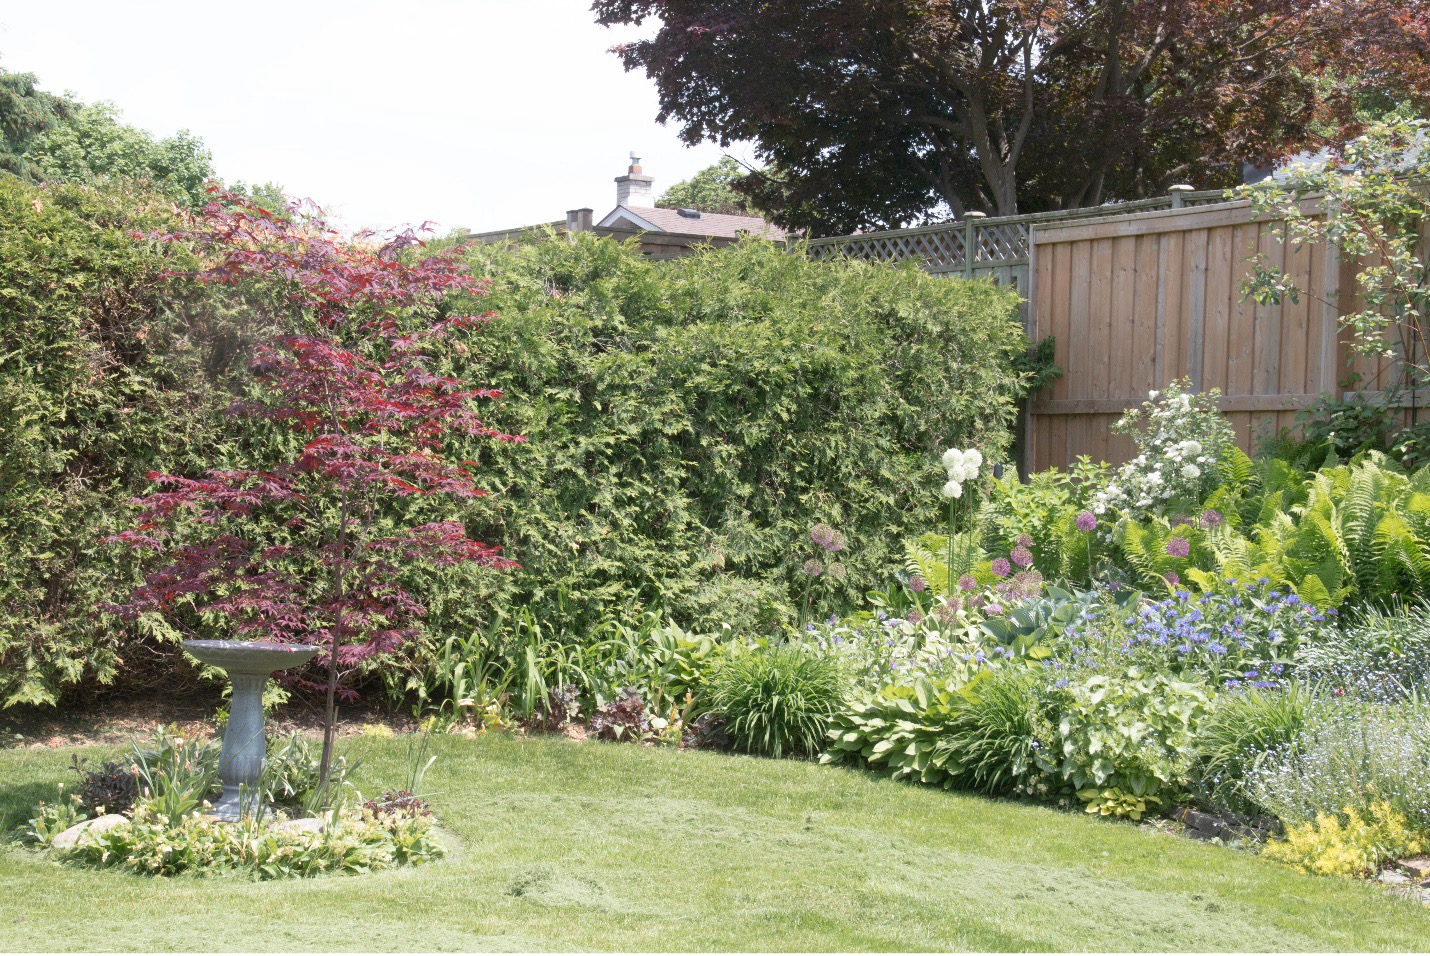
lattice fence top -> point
(1002, 241)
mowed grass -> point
(564, 846)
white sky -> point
(484, 113)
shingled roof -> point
(692, 222)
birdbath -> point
(249, 664)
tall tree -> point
(878, 111)
(713, 189)
(44, 137)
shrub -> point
(778, 700)
(1352, 843)
(690, 421)
(1181, 437)
(104, 377)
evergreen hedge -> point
(688, 422)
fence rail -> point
(997, 243)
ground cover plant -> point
(147, 813)
(534, 824)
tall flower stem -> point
(948, 568)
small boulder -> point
(1393, 878)
(301, 825)
(1417, 867)
(71, 836)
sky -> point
(482, 114)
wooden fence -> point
(1000, 246)
(1135, 302)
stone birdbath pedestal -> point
(249, 665)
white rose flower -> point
(1192, 447)
(953, 489)
(1191, 472)
(1153, 394)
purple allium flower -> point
(1178, 547)
(1211, 518)
(968, 583)
(1021, 556)
(1086, 521)
(813, 567)
(1001, 567)
(1023, 541)
(1173, 577)
(836, 571)
(826, 537)
(917, 583)
(916, 617)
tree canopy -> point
(49, 137)
(879, 111)
(713, 189)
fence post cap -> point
(1181, 188)
(975, 215)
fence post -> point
(970, 233)
(1177, 192)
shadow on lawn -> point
(17, 805)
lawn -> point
(559, 845)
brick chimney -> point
(633, 189)
(578, 220)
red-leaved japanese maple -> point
(312, 545)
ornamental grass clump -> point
(778, 700)
(1242, 729)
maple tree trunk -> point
(330, 715)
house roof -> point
(691, 222)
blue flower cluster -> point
(1239, 636)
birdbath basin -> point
(248, 664)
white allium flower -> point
(953, 458)
(973, 458)
(1191, 472)
(953, 489)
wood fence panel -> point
(1138, 301)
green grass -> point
(604, 846)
